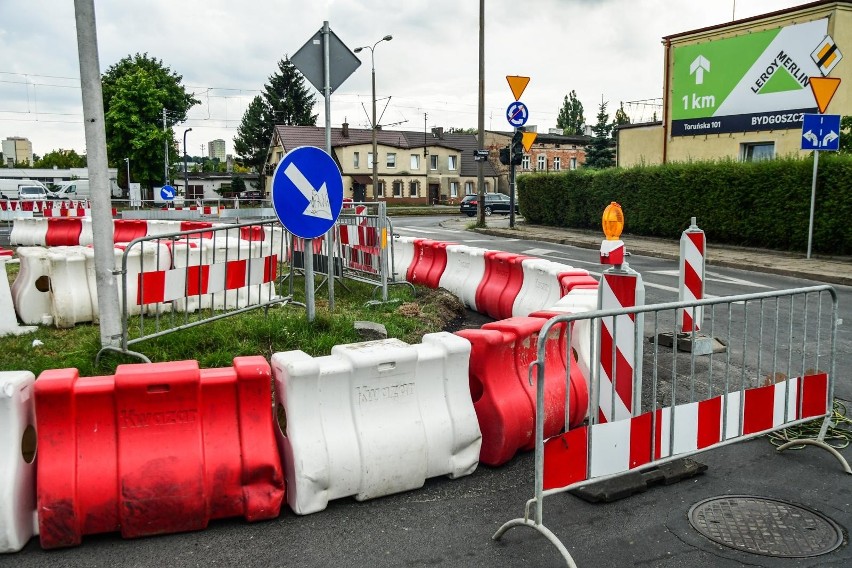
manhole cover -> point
(768, 527)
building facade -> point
(216, 150)
(548, 153)
(211, 185)
(739, 90)
(413, 167)
(51, 176)
(17, 150)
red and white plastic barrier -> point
(156, 448)
(8, 320)
(71, 302)
(500, 388)
(691, 277)
(430, 260)
(630, 443)
(18, 521)
(374, 418)
(500, 284)
(403, 256)
(463, 273)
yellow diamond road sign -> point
(826, 55)
(517, 84)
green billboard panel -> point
(756, 81)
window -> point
(525, 162)
(451, 162)
(433, 162)
(397, 188)
(758, 151)
(557, 163)
(391, 160)
(574, 163)
(454, 188)
(468, 188)
(541, 163)
(370, 160)
(415, 161)
(412, 189)
(356, 159)
(381, 189)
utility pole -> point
(93, 122)
(480, 178)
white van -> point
(79, 189)
(10, 188)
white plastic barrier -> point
(86, 237)
(403, 255)
(463, 273)
(31, 292)
(8, 320)
(28, 232)
(540, 288)
(374, 418)
(71, 302)
(18, 521)
(146, 256)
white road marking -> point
(538, 252)
(715, 277)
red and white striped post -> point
(691, 281)
(619, 379)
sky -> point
(427, 75)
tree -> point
(600, 153)
(238, 184)
(846, 134)
(621, 117)
(63, 159)
(136, 90)
(571, 119)
(285, 100)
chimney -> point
(438, 132)
(345, 131)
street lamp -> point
(127, 161)
(185, 173)
(375, 146)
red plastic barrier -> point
(125, 230)
(502, 396)
(500, 284)
(63, 231)
(575, 280)
(193, 225)
(252, 233)
(430, 260)
(156, 448)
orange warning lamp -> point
(613, 221)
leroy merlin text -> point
(782, 59)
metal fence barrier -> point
(773, 367)
(184, 279)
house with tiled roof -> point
(413, 167)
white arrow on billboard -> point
(698, 67)
(318, 203)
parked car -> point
(32, 193)
(494, 203)
(252, 196)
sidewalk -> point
(835, 270)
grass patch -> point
(257, 332)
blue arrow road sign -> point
(167, 193)
(821, 132)
(517, 114)
(307, 192)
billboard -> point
(756, 81)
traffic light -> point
(518, 147)
(504, 156)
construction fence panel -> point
(763, 362)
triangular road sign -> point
(527, 140)
(824, 89)
(517, 84)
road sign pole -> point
(310, 305)
(326, 47)
(813, 201)
(511, 190)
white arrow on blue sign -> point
(517, 114)
(167, 193)
(307, 192)
(821, 132)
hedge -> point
(757, 204)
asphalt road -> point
(449, 523)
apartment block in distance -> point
(17, 149)
(216, 150)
